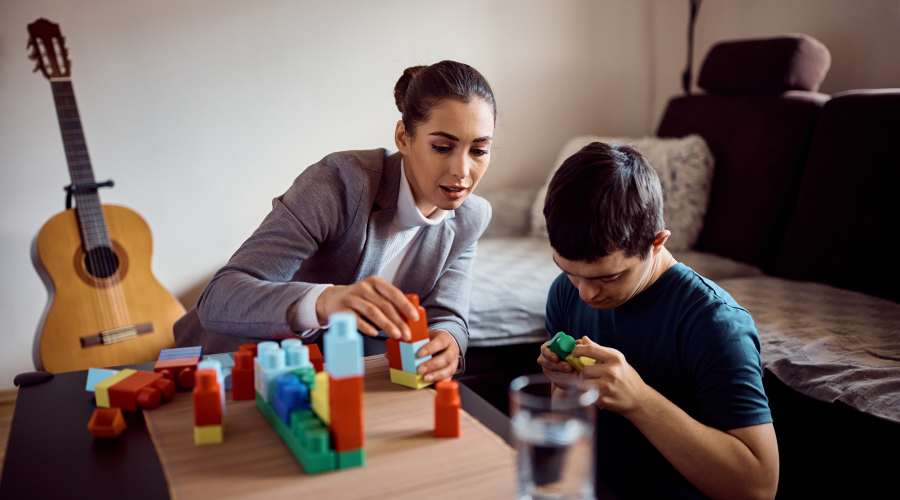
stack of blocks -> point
(563, 345)
(209, 406)
(318, 415)
(403, 356)
(179, 365)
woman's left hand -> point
(444, 356)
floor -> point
(6, 414)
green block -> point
(300, 417)
(307, 376)
(355, 458)
(562, 345)
(316, 439)
(312, 462)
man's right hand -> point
(559, 370)
(373, 298)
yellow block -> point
(406, 379)
(319, 398)
(101, 390)
(208, 434)
(578, 363)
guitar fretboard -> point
(90, 214)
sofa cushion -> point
(685, 169)
(768, 65)
(511, 208)
(826, 342)
(843, 229)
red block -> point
(207, 400)
(315, 357)
(166, 388)
(180, 370)
(393, 354)
(242, 376)
(418, 328)
(149, 397)
(248, 347)
(125, 392)
(446, 409)
(347, 423)
(106, 423)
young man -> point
(682, 412)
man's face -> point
(607, 282)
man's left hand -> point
(621, 388)
(444, 356)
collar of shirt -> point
(408, 214)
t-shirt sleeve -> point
(726, 369)
(556, 306)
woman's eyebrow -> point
(446, 135)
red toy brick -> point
(315, 357)
(207, 400)
(446, 409)
(181, 370)
(248, 347)
(123, 394)
(242, 376)
(106, 423)
(166, 388)
(149, 397)
(419, 328)
(347, 423)
(393, 354)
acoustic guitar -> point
(104, 305)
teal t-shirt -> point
(688, 339)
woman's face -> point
(449, 153)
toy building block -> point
(562, 344)
(227, 363)
(395, 360)
(409, 354)
(124, 394)
(355, 458)
(315, 357)
(207, 401)
(101, 389)
(419, 328)
(208, 434)
(166, 387)
(291, 394)
(242, 376)
(106, 423)
(320, 397)
(446, 409)
(214, 365)
(273, 361)
(248, 347)
(182, 353)
(180, 370)
(580, 362)
(406, 379)
(343, 346)
(306, 438)
(97, 375)
(345, 396)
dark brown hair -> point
(422, 87)
(602, 199)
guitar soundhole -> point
(101, 262)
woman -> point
(359, 229)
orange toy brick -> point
(106, 423)
(418, 328)
(248, 347)
(166, 388)
(180, 370)
(393, 354)
(124, 394)
(242, 376)
(347, 423)
(149, 398)
(315, 357)
(207, 399)
(446, 409)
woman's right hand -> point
(558, 370)
(374, 299)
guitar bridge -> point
(115, 335)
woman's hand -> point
(558, 370)
(372, 299)
(444, 354)
(622, 390)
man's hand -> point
(558, 370)
(621, 388)
(374, 299)
(444, 353)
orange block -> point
(207, 400)
(315, 357)
(124, 393)
(393, 354)
(106, 423)
(248, 347)
(446, 409)
(166, 388)
(242, 376)
(419, 328)
(180, 370)
(149, 397)
(345, 397)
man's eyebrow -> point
(606, 276)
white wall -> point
(204, 110)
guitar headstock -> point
(48, 49)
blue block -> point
(296, 396)
(181, 353)
(343, 346)
(225, 359)
(408, 355)
(96, 375)
(283, 412)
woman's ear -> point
(660, 240)
(401, 139)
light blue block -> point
(408, 355)
(225, 359)
(181, 353)
(273, 362)
(343, 346)
(96, 375)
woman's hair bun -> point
(403, 84)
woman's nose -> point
(459, 166)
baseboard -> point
(8, 395)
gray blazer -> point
(332, 226)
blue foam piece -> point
(343, 346)
(96, 375)
(408, 355)
(182, 353)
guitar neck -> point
(92, 224)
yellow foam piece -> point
(208, 434)
(579, 363)
(101, 389)
(321, 404)
(406, 379)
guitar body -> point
(81, 305)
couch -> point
(799, 228)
